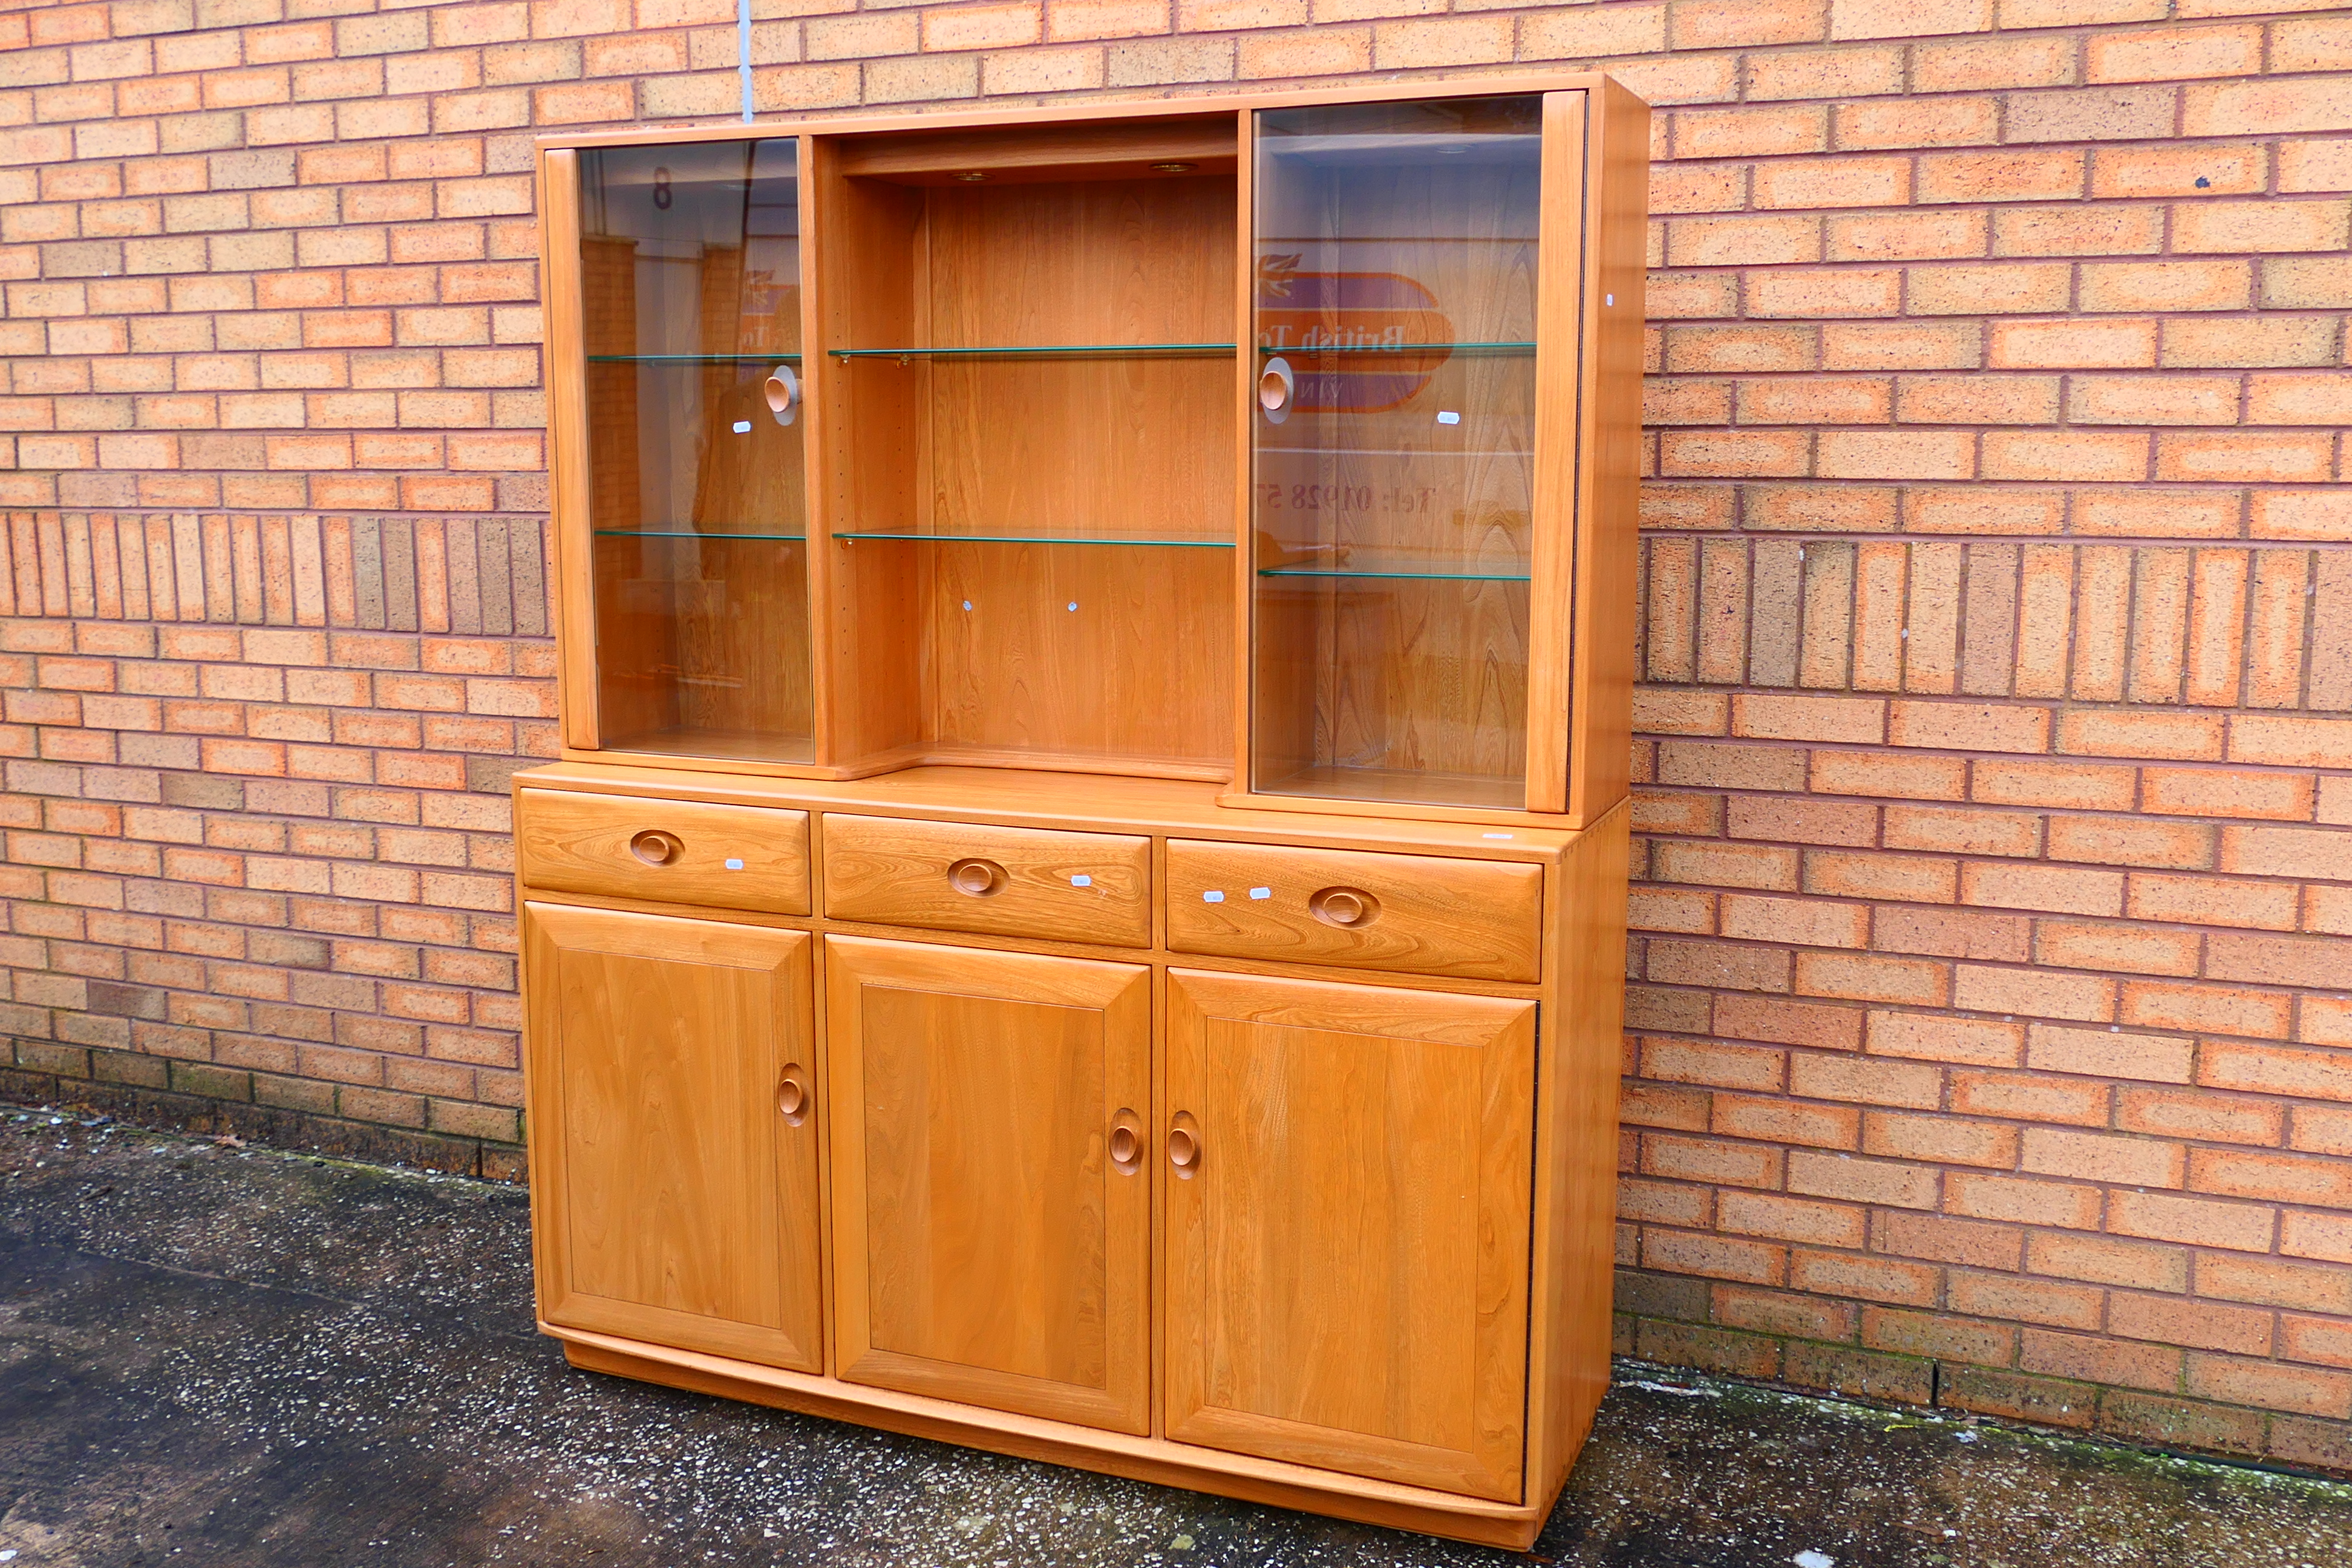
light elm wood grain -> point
(672, 1201)
(576, 843)
(1430, 915)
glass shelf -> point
(694, 359)
(1412, 577)
(689, 534)
(1038, 351)
(1045, 538)
(1313, 349)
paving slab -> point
(249, 1358)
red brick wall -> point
(1993, 1009)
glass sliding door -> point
(1393, 451)
(690, 286)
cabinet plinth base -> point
(1053, 1442)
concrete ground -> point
(234, 1356)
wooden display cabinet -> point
(1083, 907)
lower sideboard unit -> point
(1269, 1154)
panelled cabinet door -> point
(672, 1102)
(991, 1206)
(1347, 1227)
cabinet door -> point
(672, 1099)
(1347, 1245)
(1417, 270)
(991, 1241)
(676, 365)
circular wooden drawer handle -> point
(655, 847)
(1350, 908)
(976, 878)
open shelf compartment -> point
(1073, 389)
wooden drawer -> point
(1011, 882)
(1475, 919)
(676, 851)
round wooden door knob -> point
(1126, 1144)
(655, 847)
(1275, 383)
(1183, 1149)
(976, 878)
(793, 1097)
(1347, 908)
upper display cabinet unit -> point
(1288, 444)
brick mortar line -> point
(2005, 965)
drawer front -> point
(1479, 919)
(676, 851)
(1012, 881)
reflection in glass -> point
(1392, 459)
(689, 264)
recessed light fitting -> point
(971, 177)
(1172, 168)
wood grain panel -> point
(1472, 919)
(986, 1246)
(1618, 170)
(1137, 668)
(1107, 650)
(1108, 803)
(1056, 152)
(1560, 396)
(864, 439)
(561, 265)
(1347, 1266)
(1075, 886)
(576, 843)
(1576, 1179)
(672, 1200)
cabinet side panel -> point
(1580, 1083)
(1609, 483)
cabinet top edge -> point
(1086, 803)
(1176, 106)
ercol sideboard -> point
(1081, 911)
